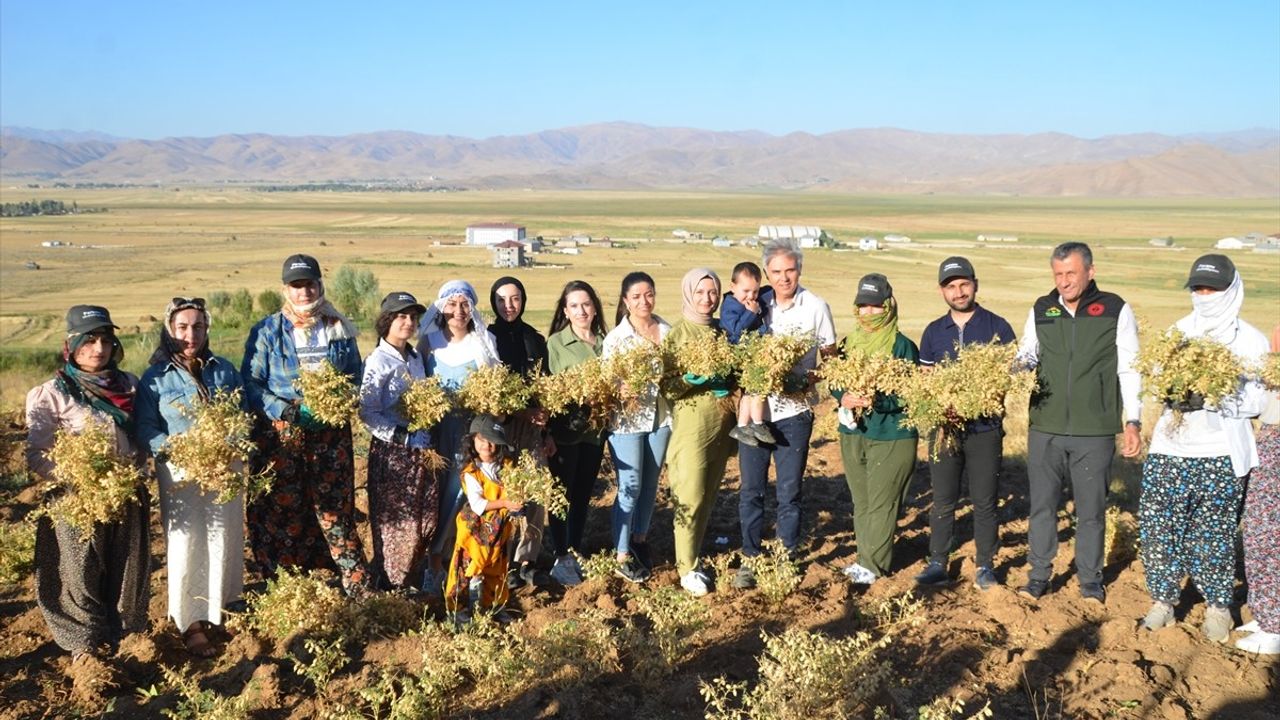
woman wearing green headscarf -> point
(878, 453)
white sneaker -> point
(1249, 627)
(1263, 643)
(695, 583)
(859, 575)
(565, 571)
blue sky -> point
(497, 68)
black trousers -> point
(576, 467)
(977, 455)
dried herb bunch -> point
(864, 375)
(973, 385)
(329, 394)
(528, 480)
(494, 390)
(1270, 374)
(214, 452)
(631, 372)
(1176, 368)
(765, 360)
(425, 403)
(585, 385)
(96, 482)
(708, 356)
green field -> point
(153, 244)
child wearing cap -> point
(486, 522)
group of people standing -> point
(439, 517)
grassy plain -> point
(154, 243)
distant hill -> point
(627, 155)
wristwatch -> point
(1136, 423)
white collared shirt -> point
(651, 412)
(810, 314)
(386, 376)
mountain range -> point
(631, 156)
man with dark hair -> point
(1082, 342)
(975, 449)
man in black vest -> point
(1083, 342)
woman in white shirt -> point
(639, 434)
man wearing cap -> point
(1082, 342)
(975, 449)
(794, 311)
(307, 519)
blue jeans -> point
(789, 457)
(638, 459)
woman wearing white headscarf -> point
(1193, 478)
(456, 342)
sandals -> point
(197, 641)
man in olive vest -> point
(1083, 342)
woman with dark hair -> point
(456, 342)
(204, 538)
(638, 435)
(403, 485)
(520, 347)
(576, 336)
(700, 444)
(91, 589)
(307, 519)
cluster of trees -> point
(27, 208)
(354, 292)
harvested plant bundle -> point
(973, 385)
(530, 481)
(1174, 367)
(708, 356)
(586, 385)
(1270, 374)
(494, 390)
(98, 483)
(864, 375)
(214, 451)
(425, 403)
(329, 394)
(631, 371)
(765, 360)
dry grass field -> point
(1060, 658)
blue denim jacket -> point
(270, 365)
(165, 389)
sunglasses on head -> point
(180, 303)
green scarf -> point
(875, 334)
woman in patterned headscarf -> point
(91, 589)
(204, 539)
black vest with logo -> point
(1079, 390)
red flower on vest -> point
(1095, 309)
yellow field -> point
(155, 243)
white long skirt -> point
(204, 549)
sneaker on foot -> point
(1094, 592)
(1159, 616)
(631, 570)
(859, 575)
(934, 574)
(1034, 589)
(985, 578)
(1217, 623)
(1262, 643)
(565, 571)
(1249, 627)
(743, 435)
(762, 433)
(744, 579)
(695, 582)
(640, 551)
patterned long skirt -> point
(307, 520)
(404, 508)
(1187, 521)
(1262, 532)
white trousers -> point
(204, 549)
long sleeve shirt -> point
(270, 364)
(387, 375)
(167, 390)
(651, 411)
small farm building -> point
(868, 243)
(494, 233)
(508, 254)
(1229, 243)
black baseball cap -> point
(955, 267)
(873, 289)
(300, 267)
(400, 301)
(83, 319)
(488, 427)
(1212, 271)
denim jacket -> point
(166, 389)
(270, 364)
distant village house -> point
(508, 254)
(494, 233)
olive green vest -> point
(1079, 390)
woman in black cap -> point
(403, 485)
(91, 589)
(878, 453)
(204, 538)
(307, 520)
